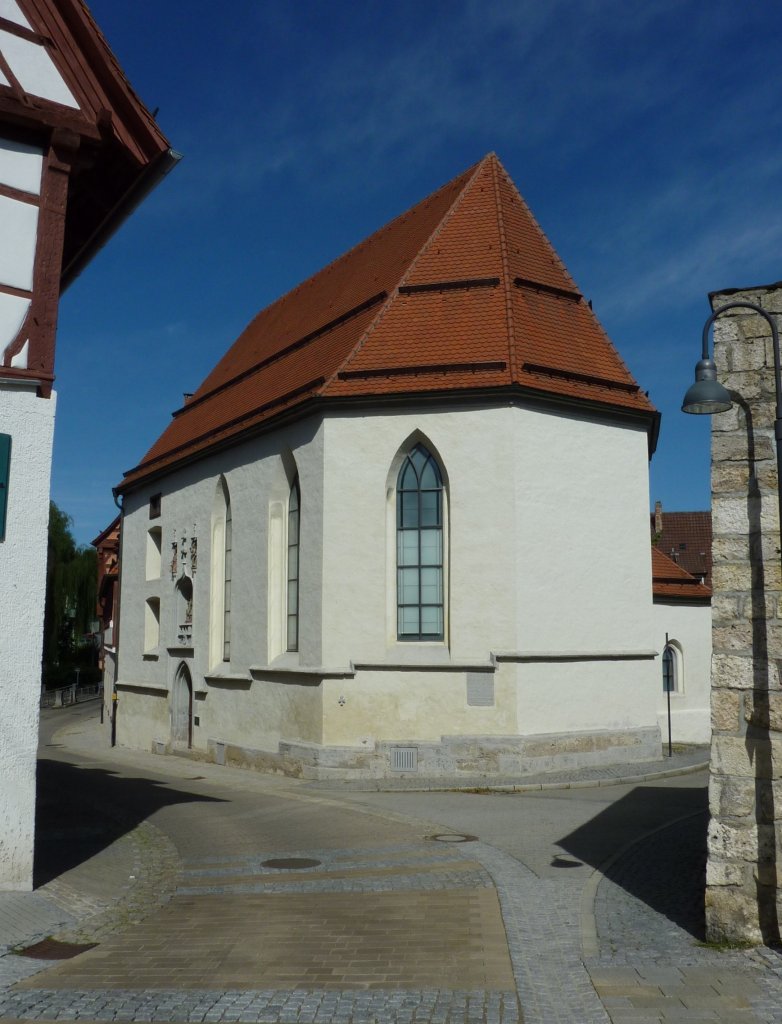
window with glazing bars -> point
(419, 548)
(293, 567)
(669, 670)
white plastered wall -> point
(689, 627)
(231, 705)
(548, 566)
(30, 422)
(548, 574)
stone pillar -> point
(745, 789)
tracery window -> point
(419, 551)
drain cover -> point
(51, 949)
(291, 863)
(452, 837)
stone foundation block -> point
(731, 797)
(726, 709)
(729, 842)
(732, 672)
(732, 915)
(764, 709)
(726, 873)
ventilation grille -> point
(480, 690)
(404, 759)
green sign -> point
(5, 467)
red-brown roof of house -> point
(670, 581)
(462, 293)
(686, 538)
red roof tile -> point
(463, 292)
(686, 538)
(670, 581)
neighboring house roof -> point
(684, 537)
(122, 152)
(461, 295)
(671, 582)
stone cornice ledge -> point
(308, 671)
(227, 677)
(527, 656)
(159, 688)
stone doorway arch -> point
(182, 709)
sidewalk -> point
(285, 945)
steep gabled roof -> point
(671, 582)
(685, 537)
(462, 294)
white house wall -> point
(688, 626)
(548, 576)
(30, 422)
(30, 62)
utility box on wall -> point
(5, 468)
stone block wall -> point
(745, 791)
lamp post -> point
(707, 396)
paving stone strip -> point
(436, 954)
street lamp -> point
(708, 396)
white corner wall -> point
(30, 422)
(689, 627)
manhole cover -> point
(291, 863)
(51, 949)
(452, 837)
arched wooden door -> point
(182, 709)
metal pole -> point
(668, 682)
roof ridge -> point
(544, 237)
(473, 172)
(496, 164)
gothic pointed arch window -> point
(419, 548)
(672, 667)
(294, 525)
(220, 577)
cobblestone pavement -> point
(652, 964)
(387, 925)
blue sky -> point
(645, 136)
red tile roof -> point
(686, 538)
(671, 582)
(462, 293)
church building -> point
(403, 525)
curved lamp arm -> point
(774, 338)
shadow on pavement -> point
(666, 869)
(81, 811)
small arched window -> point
(671, 669)
(419, 553)
(294, 502)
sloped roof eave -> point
(137, 477)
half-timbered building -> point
(78, 150)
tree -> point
(71, 594)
